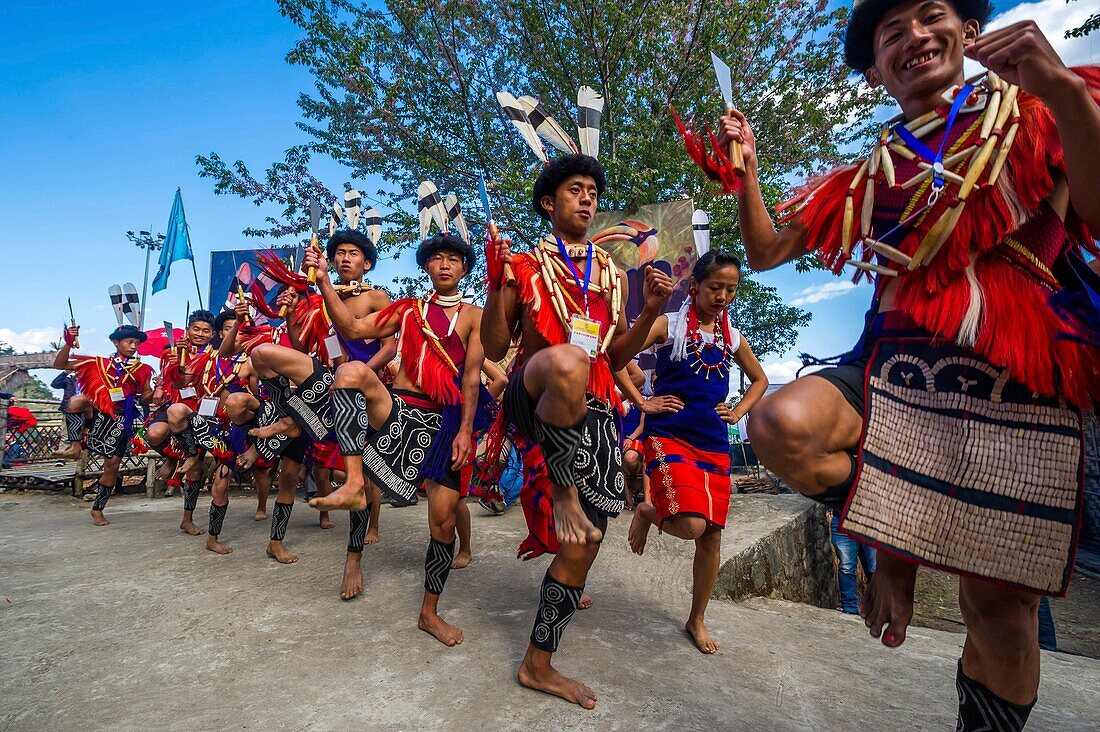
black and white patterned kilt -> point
(964, 469)
(109, 436)
(598, 467)
(394, 457)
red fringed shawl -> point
(1007, 237)
(422, 357)
(96, 376)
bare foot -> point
(570, 523)
(247, 459)
(285, 426)
(188, 527)
(462, 559)
(444, 632)
(72, 452)
(188, 464)
(887, 605)
(213, 545)
(638, 534)
(352, 585)
(348, 497)
(326, 522)
(372, 535)
(548, 680)
(261, 514)
(165, 471)
(585, 602)
(98, 518)
(278, 552)
(701, 636)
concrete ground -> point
(135, 626)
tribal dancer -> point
(310, 402)
(422, 433)
(168, 428)
(112, 387)
(687, 458)
(950, 435)
(565, 300)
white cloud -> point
(30, 341)
(822, 292)
(784, 372)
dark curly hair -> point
(445, 243)
(201, 316)
(859, 39)
(355, 238)
(558, 171)
(223, 316)
(711, 261)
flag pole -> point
(196, 273)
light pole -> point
(150, 243)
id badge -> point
(586, 334)
(208, 407)
(188, 392)
(332, 345)
(117, 394)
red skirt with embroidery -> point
(326, 454)
(686, 481)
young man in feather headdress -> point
(298, 380)
(177, 386)
(971, 211)
(565, 301)
(421, 434)
(112, 388)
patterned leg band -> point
(557, 604)
(280, 519)
(217, 516)
(559, 448)
(311, 404)
(101, 496)
(981, 709)
(349, 416)
(357, 533)
(191, 494)
(437, 565)
(74, 426)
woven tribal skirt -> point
(964, 469)
(686, 481)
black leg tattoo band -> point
(981, 709)
(101, 496)
(217, 516)
(280, 519)
(437, 565)
(559, 448)
(74, 427)
(311, 404)
(557, 604)
(191, 494)
(349, 416)
(357, 533)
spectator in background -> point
(74, 424)
(848, 553)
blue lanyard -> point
(573, 270)
(118, 364)
(936, 158)
(218, 368)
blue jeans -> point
(849, 551)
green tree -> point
(407, 92)
(1091, 23)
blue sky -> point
(103, 107)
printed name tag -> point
(117, 394)
(188, 392)
(332, 345)
(208, 407)
(586, 334)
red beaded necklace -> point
(722, 339)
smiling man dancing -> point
(974, 205)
